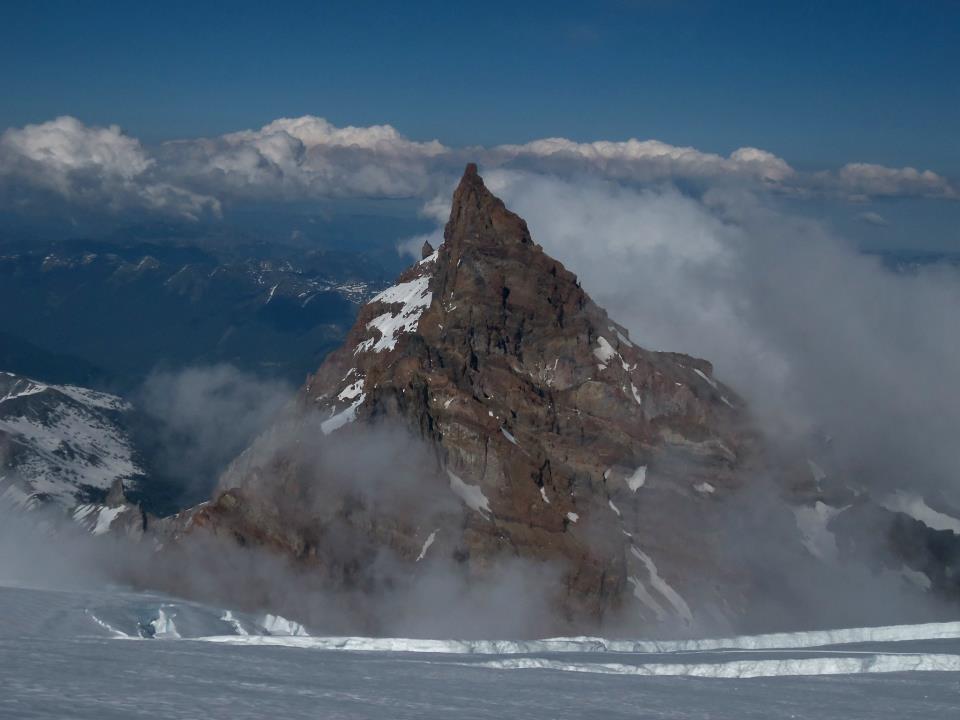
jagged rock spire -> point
(477, 216)
(542, 417)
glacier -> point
(114, 653)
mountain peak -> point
(479, 217)
(539, 420)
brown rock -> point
(550, 435)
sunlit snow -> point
(415, 297)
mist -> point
(200, 418)
(345, 491)
(390, 536)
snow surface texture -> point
(122, 655)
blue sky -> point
(846, 112)
(817, 83)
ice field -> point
(122, 655)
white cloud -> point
(307, 158)
(91, 166)
(860, 180)
(205, 416)
(654, 160)
(65, 144)
(316, 132)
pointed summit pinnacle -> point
(477, 216)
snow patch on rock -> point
(816, 537)
(344, 417)
(678, 604)
(415, 297)
(637, 479)
(471, 495)
(426, 545)
(916, 507)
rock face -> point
(537, 430)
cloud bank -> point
(308, 158)
(89, 167)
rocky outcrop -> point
(533, 428)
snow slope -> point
(60, 444)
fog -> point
(368, 498)
(349, 493)
(199, 418)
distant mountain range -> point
(106, 313)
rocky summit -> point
(485, 409)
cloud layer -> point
(300, 159)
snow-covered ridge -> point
(24, 387)
(60, 439)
